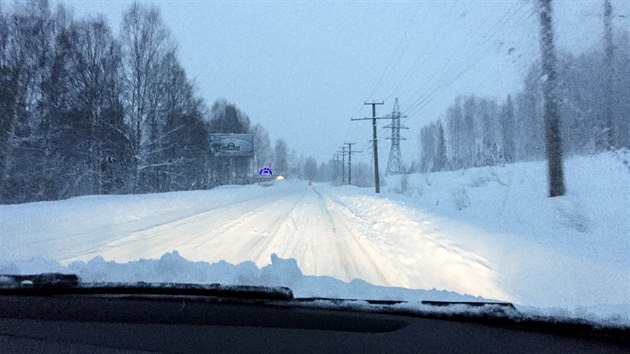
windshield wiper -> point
(506, 305)
(58, 283)
(69, 284)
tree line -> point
(593, 107)
(85, 111)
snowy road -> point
(320, 228)
(329, 231)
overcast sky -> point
(303, 68)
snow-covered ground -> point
(488, 232)
(565, 251)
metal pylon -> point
(394, 163)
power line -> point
(379, 82)
(458, 63)
(424, 100)
(438, 38)
(460, 70)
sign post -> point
(232, 157)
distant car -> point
(310, 183)
(280, 178)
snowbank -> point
(173, 268)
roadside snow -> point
(568, 251)
(65, 228)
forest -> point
(593, 106)
(87, 111)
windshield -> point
(396, 150)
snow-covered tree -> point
(440, 160)
(280, 156)
(309, 170)
(508, 129)
(263, 153)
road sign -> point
(265, 172)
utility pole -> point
(350, 161)
(343, 165)
(343, 153)
(336, 167)
(549, 88)
(377, 186)
(610, 69)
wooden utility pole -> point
(336, 167)
(549, 86)
(350, 161)
(608, 131)
(343, 164)
(377, 186)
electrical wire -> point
(439, 76)
(422, 57)
(453, 78)
(389, 65)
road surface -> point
(329, 231)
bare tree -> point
(182, 148)
(96, 65)
(7, 98)
(281, 158)
(29, 34)
(146, 42)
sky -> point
(303, 69)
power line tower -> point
(394, 163)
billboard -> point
(232, 145)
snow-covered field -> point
(488, 232)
